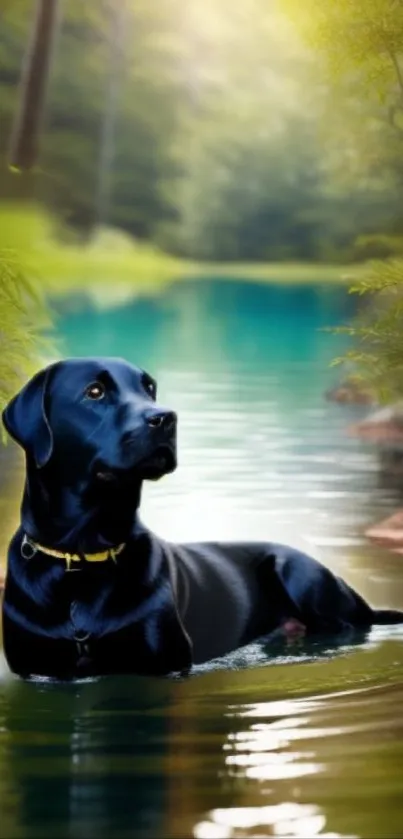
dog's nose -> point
(165, 420)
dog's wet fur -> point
(92, 431)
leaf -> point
(24, 317)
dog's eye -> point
(95, 390)
(150, 387)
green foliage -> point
(192, 126)
(58, 261)
(360, 51)
(111, 265)
(377, 246)
(360, 55)
(112, 72)
(257, 178)
(377, 332)
(23, 318)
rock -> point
(391, 464)
(350, 392)
(384, 426)
(388, 533)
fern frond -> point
(377, 330)
(24, 321)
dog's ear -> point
(26, 421)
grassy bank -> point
(284, 272)
(112, 265)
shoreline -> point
(127, 284)
(383, 428)
(111, 257)
(150, 271)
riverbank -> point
(141, 273)
(140, 268)
(112, 264)
(383, 427)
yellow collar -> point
(111, 553)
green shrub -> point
(23, 318)
(377, 246)
(377, 353)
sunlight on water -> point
(287, 819)
(264, 752)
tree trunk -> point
(34, 78)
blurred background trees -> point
(359, 47)
(201, 127)
(214, 131)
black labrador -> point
(89, 590)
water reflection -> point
(288, 819)
(215, 755)
(265, 752)
(84, 760)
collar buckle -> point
(28, 549)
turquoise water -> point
(308, 744)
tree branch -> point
(392, 113)
(398, 69)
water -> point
(308, 743)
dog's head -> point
(94, 417)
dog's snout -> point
(165, 420)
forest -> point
(218, 133)
(214, 130)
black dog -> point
(89, 590)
